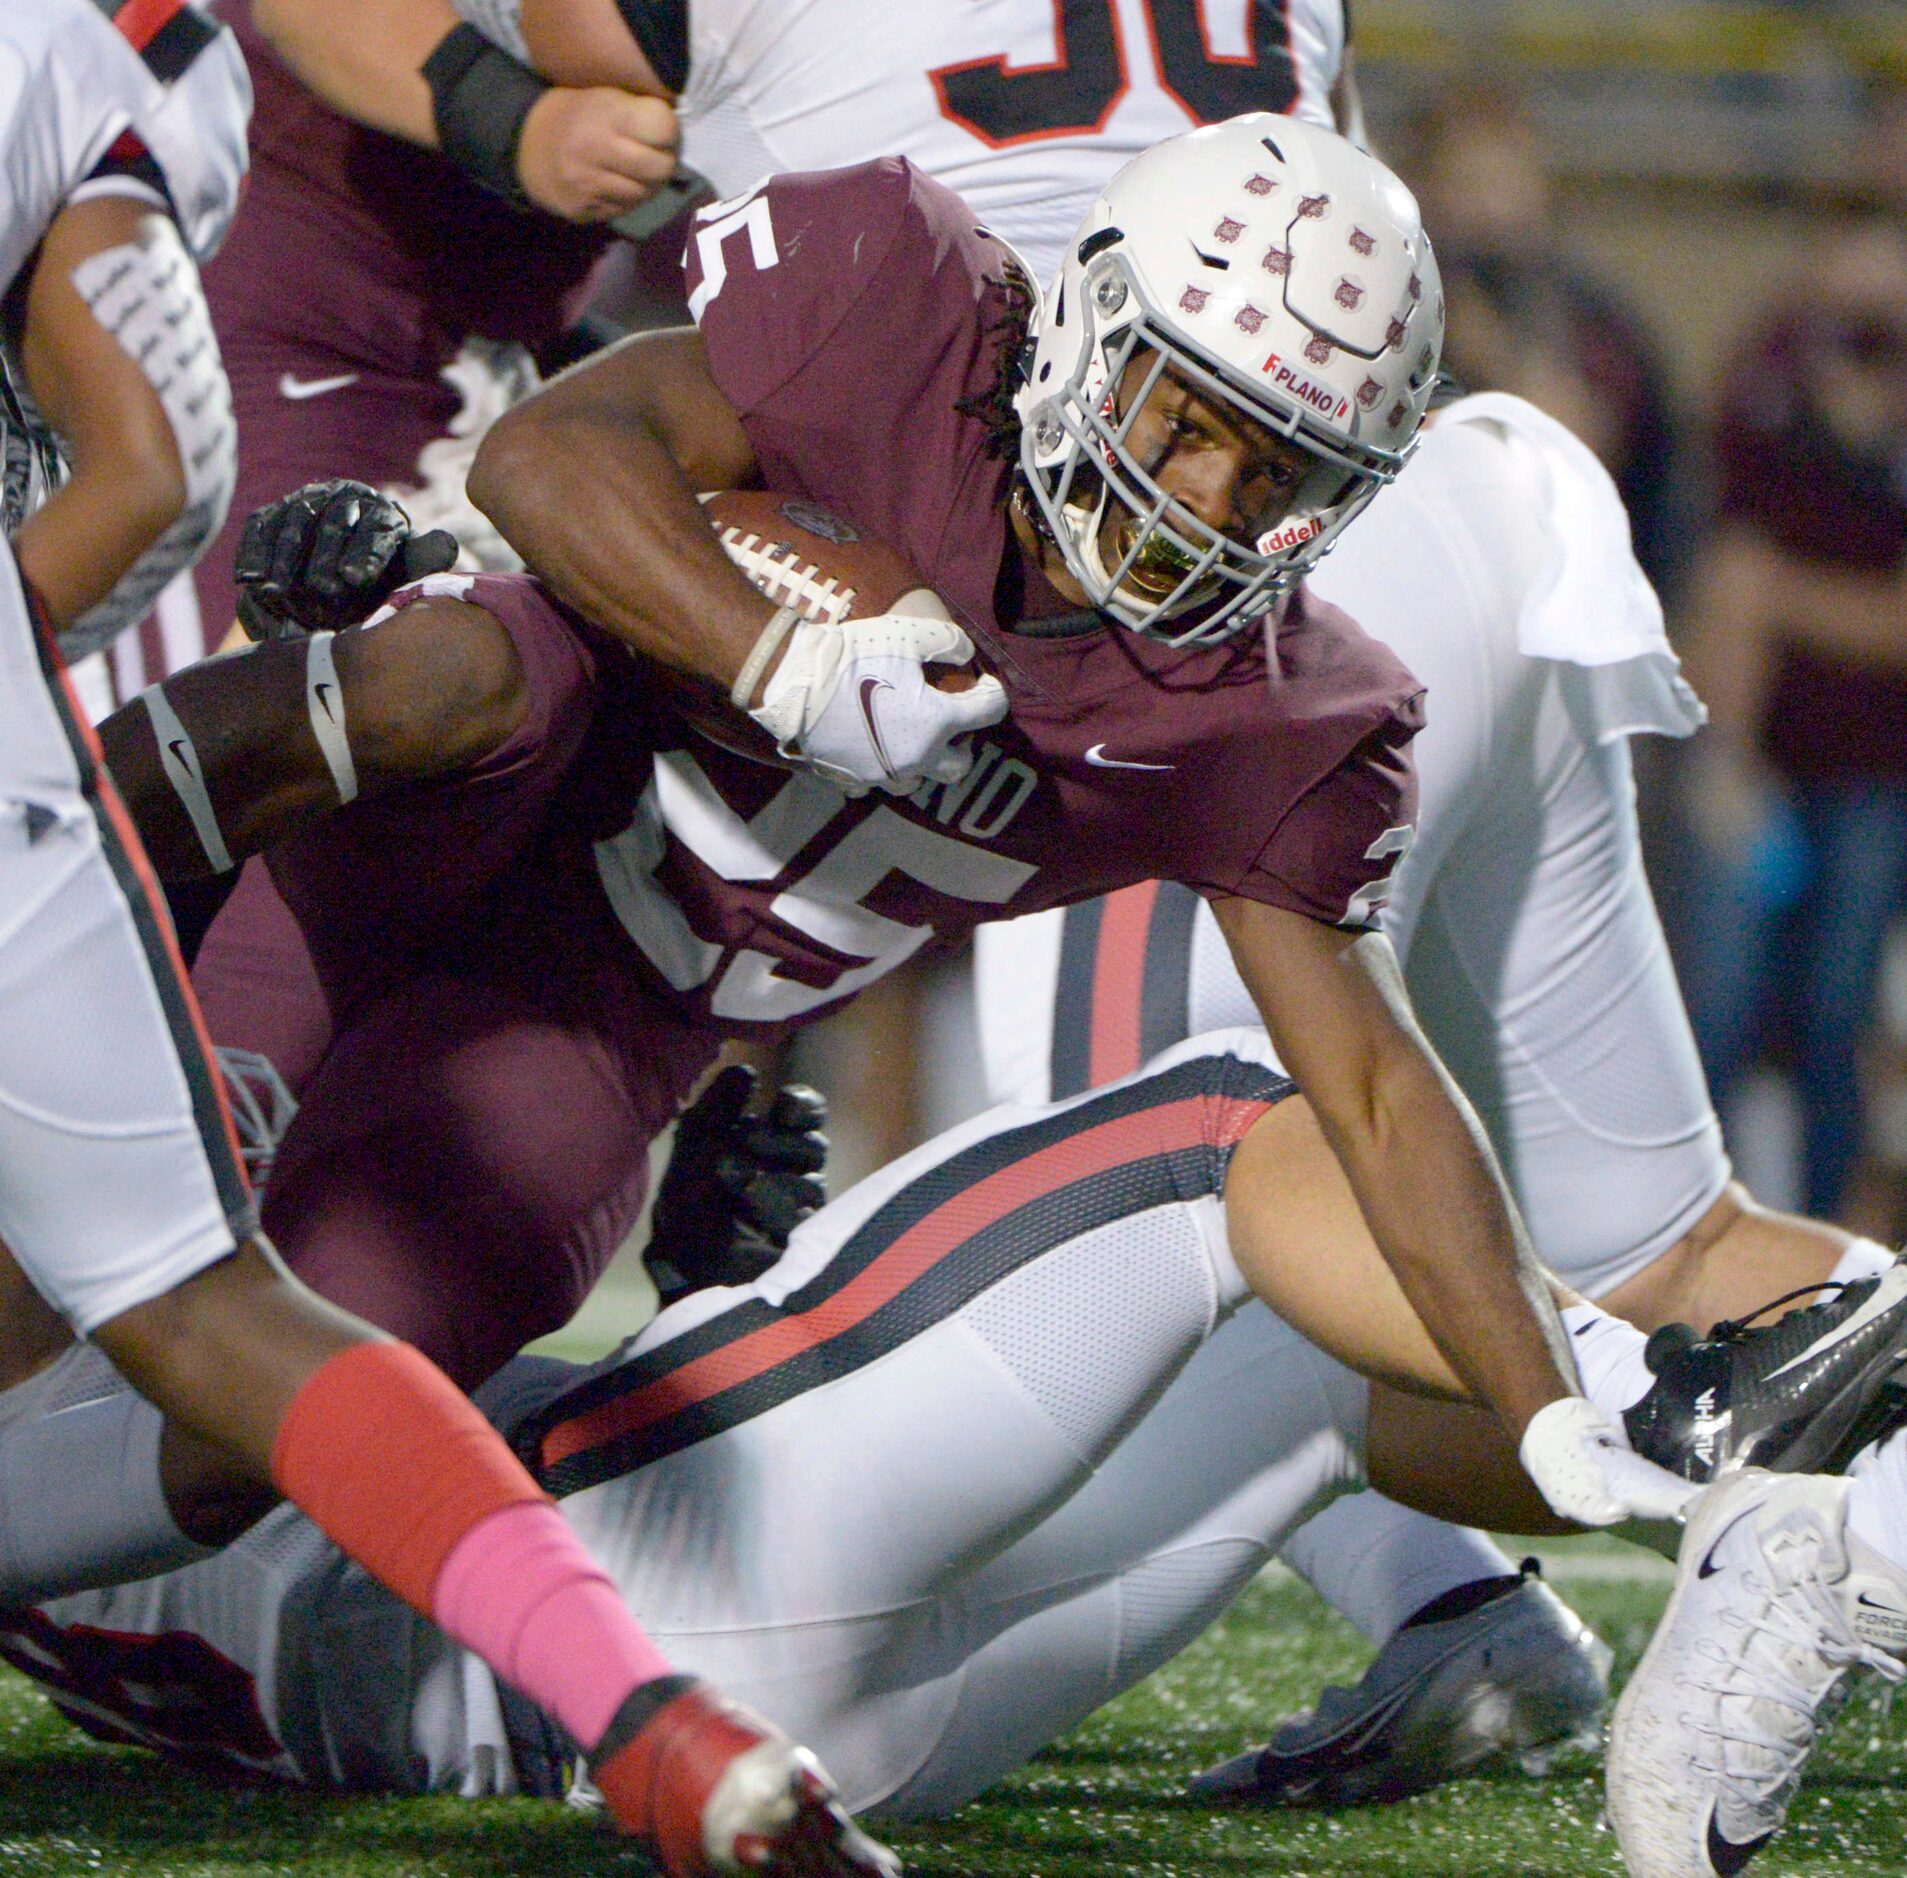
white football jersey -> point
(71, 83)
(1024, 107)
(100, 98)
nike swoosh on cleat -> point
(1876, 1306)
(298, 389)
(869, 686)
(1708, 1568)
(1725, 1855)
(1099, 760)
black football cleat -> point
(1798, 1395)
(1512, 1676)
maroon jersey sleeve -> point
(1332, 856)
(770, 275)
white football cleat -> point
(1775, 1606)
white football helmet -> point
(1277, 269)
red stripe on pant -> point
(141, 21)
(1172, 1126)
(1119, 969)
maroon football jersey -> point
(435, 258)
(849, 316)
(1779, 471)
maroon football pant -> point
(480, 1069)
(467, 1155)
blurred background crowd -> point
(1680, 226)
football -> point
(801, 555)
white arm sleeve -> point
(147, 295)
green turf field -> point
(1102, 1804)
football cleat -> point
(1775, 1606)
(714, 1790)
(1517, 1674)
(1786, 1396)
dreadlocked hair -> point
(1009, 332)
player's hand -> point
(738, 1184)
(590, 155)
(326, 556)
(1586, 1471)
(856, 701)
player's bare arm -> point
(594, 480)
(1411, 1148)
(588, 42)
(586, 151)
(127, 485)
(430, 691)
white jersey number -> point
(713, 226)
(825, 903)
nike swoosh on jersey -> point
(321, 689)
(298, 389)
(1876, 1306)
(869, 686)
(1097, 757)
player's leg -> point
(1052, 1015)
(468, 1157)
(1142, 1559)
(1034, 1280)
(122, 1198)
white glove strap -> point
(781, 623)
(808, 672)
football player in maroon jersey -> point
(494, 978)
(446, 228)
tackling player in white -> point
(1066, 1286)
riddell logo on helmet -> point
(1305, 389)
(1290, 535)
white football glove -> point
(1586, 1471)
(854, 702)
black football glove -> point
(737, 1184)
(327, 556)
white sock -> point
(80, 1498)
(1608, 1357)
(1877, 1499)
(1863, 1259)
(1379, 1563)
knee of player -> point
(436, 688)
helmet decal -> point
(1319, 345)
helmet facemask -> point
(1280, 278)
(1165, 563)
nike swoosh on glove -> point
(855, 702)
(1587, 1471)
